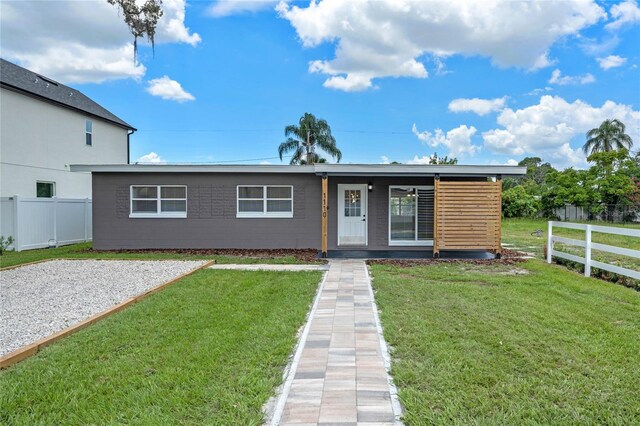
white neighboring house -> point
(44, 127)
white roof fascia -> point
(319, 169)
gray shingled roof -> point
(22, 79)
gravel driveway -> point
(41, 299)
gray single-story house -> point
(334, 208)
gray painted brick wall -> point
(211, 212)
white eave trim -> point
(409, 170)
(189, 168)
(418, 170)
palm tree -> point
(610, 136)
(304, 138)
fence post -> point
(16, 224)
(86, 220)
(587, 252)
(549, 241)
(55, 220)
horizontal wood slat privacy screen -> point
(468, 215)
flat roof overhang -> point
(394, 170)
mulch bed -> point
(302, 255)
(509, 257)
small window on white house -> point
(265, 201)
(88, 132)
(158, 201)
(45, 189)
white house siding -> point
(38, 141)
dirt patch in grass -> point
(302, 255)
(509, 257)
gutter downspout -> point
(129, 133)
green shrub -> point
(517, 202)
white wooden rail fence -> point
(589, 245)
(41, 222)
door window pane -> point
(411, 213)
(352, 203)
(425, 214)
(402, 211)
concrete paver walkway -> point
(339, 374)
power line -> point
(33, 167)
(219, 162)
(381, 132)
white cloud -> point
(547, 128)
(171, 28)
(479, 106)
(152, 158)
(265, 163)
(385, 160)
(538, 91)
(169, 90)
(558, 78)
(623, 13)
(509, 162)
(611, 61)
(80, 41)
(425, 159)
(350, 83)
(223, 8)
(457, 141)
(389, 38)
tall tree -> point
(434, 159)
(305, 138)
(610, 136)
(142, 19)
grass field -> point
(498, 344)
(83, 251)
(518, 232)
(209, 349)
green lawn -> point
(518, 233)
(83, 251)
(209, 349)
(498, 344)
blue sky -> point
(396, 81)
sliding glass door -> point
(411, 215)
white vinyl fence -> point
(588, 246)
(43, 222)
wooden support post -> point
(499, 230)
(436, 191)
(325, 218)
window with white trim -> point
(158, 201)
(265, 201)
(411, 211)
(88, 132)
(45, 189)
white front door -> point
(352, 215)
